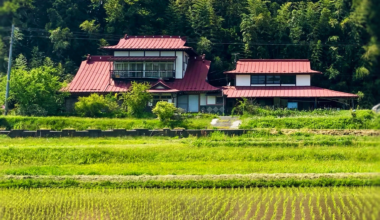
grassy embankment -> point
(363, 119)
(59, 123)
(243, 203)
(259, 152)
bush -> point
(97, 106)
(164, 110)
(245, 106)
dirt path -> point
(116, 178)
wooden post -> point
(315, 103)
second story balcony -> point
(143, 69)
(124, 74)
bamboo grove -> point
(340, 37)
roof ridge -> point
(273, 60)
(156, 36)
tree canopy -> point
(340, 37)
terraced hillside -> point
(215, 177)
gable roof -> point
(94, 76)
(162, 42)
(283, 91)
(273, 66)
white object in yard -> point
(214, 121)
(376, 108)
(235, 125)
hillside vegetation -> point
(340, 37)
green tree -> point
(36, 91)
(136, 99)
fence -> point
(118, 133)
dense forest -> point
(340, 37)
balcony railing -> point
(124, 74)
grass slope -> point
(59, 123)
(258, 152)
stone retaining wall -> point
(117, 133)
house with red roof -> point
(176, 73)
(282, 83)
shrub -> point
(245, 106)
(136, 99)
(97, 105)
(164, 110)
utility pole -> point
(235, 54)
(9, 71)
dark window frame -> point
(294, 77)
(258, 80)
(273, 82)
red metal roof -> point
(94, 76)
(169, 58)
(251, 66)
(150, 43)
(283, 91)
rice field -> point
(240, 203)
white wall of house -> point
(303, 80)
(243, 80)
(203, 99)
(178, 65)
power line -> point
(98, 36)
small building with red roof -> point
(176, 73)
(282, 83)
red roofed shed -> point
(275, 66)
(150, 43)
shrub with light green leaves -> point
(164, 110)
(97, 106)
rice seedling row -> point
(240, 203)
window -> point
(211, 100)
(288, 79)
(273, 79)
(165, 98)
(121, 66)
(219, 100)
(257, 79)
(136, 66)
